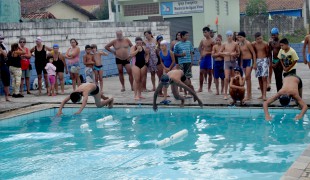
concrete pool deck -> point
(299, 170)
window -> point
(217, 6)
(226, 8)
(141, 9)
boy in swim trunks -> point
(306, 56)
(85, 90)
(288, 58)
(98, 68)
(206, 61)
(218, 65)
(236, 87)
(230, 51)
(248, 57)
(292, 88)
(175, 78)
(89, 61)
(261, 49)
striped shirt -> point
(186, 47)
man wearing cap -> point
(230, 52)
(175, 78)
(122, 56)
(274, 49)
(4, 70)
(40, 62)
(248, 61)
(292, 88)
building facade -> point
(191, 15)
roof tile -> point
(275, 5)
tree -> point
(103, 12)
(256, 7)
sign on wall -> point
(181, 7)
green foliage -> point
(256, 7)
(103, 12)
(296, 37)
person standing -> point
(274, 48)
(140, 57)
(306, 55)
(172, 44)
(40, 62)
(122, 57)
(61, 67)
(262, 52)
(89, 62)
(248, 61)
(218, 65)
(206, 61)
(14, 57)
(26, 66)
(184, 51)
(73, 56)
(230, 51)
(288, 58)
(4, 70)
(98, 67)
(150, 43)
(51, 71)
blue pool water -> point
(220, 144)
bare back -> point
(290, 86)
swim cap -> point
(159, 37)
(39, 39)
(285, 100)
(229, 33)
(239, 70)
(164, 79)
(164, 42)
(55, 46)
(241, 33)
(274, 31)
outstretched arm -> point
(160, 86)
(62, 105)
(85, 98)
(267, 103)
(186, 88)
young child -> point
(288, 58)
(89, 61)
(51, 72)
(218, 65)
(236, 86)
(98, 68)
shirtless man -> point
(175, 78)
(88, 60)
(292, 88)
(85, 90)
(306, 57)
(236, 87)
(230, 51)
(206, 61)
(121, 51)
(274, 49)
(248, 57)
(262, 52)
(98, 68)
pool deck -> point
(299, 170)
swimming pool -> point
(215, 144)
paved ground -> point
(112, 88)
